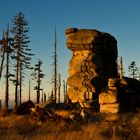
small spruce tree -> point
(133, 70)
(38, 75)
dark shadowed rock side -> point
(25, 108)
(92, 70)
(121, 95)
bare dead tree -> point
(54, 79)
(64, 91)
(44, 97)
(29, 90)
(121, 68)
(59, 87)
(2, 42)
(7, 70)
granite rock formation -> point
(93, 62)
(122, 95)
(93, 78)
(108, 99)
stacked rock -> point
(122, 95)
(92, 63)
(109, 100)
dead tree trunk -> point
(7, 69)
(64, 91)
(17, 80)
(121, 68)
(3, 53)
(55, 70)
(59, 88)
(20, 83)
(7, 77)
(38, 87)
(6, 49)
(44, 97)
(29, 90)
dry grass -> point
(99, 127)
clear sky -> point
(117, 17)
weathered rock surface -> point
(92, 63)
(109, 102)
(109, 108)
(122, 95)
(108, 97)
(93, 77)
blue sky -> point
(117, 17)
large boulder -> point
(108, 97)
(25, 108)
(93, 73)
(92, 63)
(122, 95)
(110, 108)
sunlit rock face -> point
(93, 61)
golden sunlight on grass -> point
(98, 127)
